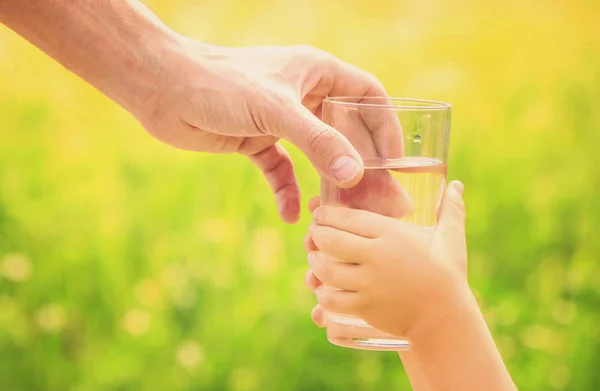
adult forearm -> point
(458, 354)
(118, 46)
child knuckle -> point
(329, 301)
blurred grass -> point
(125, 264)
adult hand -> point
(205, 98)
(244, 100)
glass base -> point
(355, 333)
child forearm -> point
(457, 354)
(413, 369)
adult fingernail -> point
(459, 187)
(345, 168)
(291, 212)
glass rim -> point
(405, 103)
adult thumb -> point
(451, 223)
(328, 150)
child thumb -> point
(451, 223)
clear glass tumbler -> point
(404, 145)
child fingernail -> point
(319, 290)
(315, 214)
(459, 187)
(307, 242)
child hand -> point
(400, 278)
(312, 282)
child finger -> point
(359, 222)
(339, 302)
(314, 203)
(309, 245)
(333, 272)
(311, 281)
(343, 245)
(318, 316)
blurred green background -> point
(128, 265)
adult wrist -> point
(145, 62)
(171, 66)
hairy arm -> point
(117, 46)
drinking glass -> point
(404, 146)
